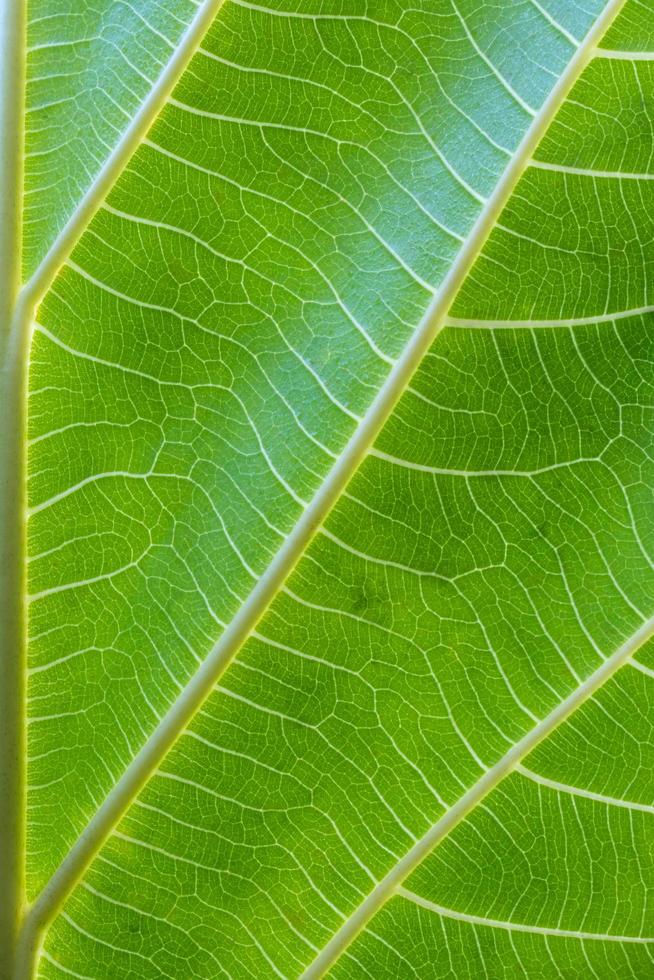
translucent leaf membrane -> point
(226, 319)
(633, 30)
(437, 619)
(552, 874)
(90, 65)
(220, 330)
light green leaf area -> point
(90, 65)
(432, 757)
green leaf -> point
(90, 66)
(339, 490)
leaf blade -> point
(262, 950)
(90, 67)
(55, 533)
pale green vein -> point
(580, 321)
(479, 920)
(579, 791)
(13, 360)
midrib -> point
(144, 764)
(13, 358)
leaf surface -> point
(90, 67)
(235, 326)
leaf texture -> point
(200, 365)
(91, 63)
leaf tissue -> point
(326, 469)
